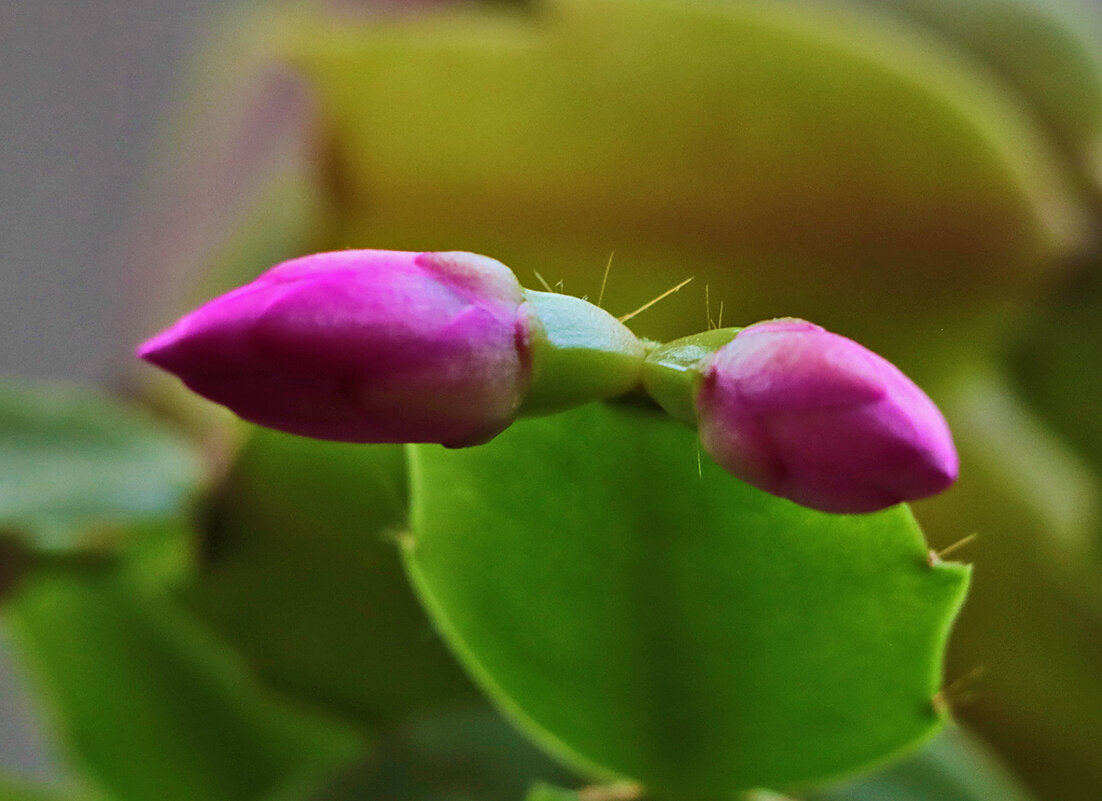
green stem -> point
(580, 353)
(672, 372)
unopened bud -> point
(389, 346)
(807, 415)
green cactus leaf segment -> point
(644, 615)
(151, 706)
(78, 470)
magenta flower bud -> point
(816, 418)
(363, 346)
(806, 414)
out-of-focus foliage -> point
(460, 753)
(13, 790)
(80, 471)
(300, 572)
(545, 792)
(1045, 52)
(797, 158)
(1059, 368)
(143, 700)
(151, 705)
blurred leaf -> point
(545, 792)
(1057, 366)
(1032, 620)
(151, 706)
(17, 790)
(793, 157)
(78, 469)
(1048, 51)
(679, 628)
(302, 576)
(461, 754)
(951, 767)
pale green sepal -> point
(672, 372)
(580, 353)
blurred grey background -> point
(84, 86)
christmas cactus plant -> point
(461, 538)
(617, 600)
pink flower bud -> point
(816, 418)
(362, 346)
